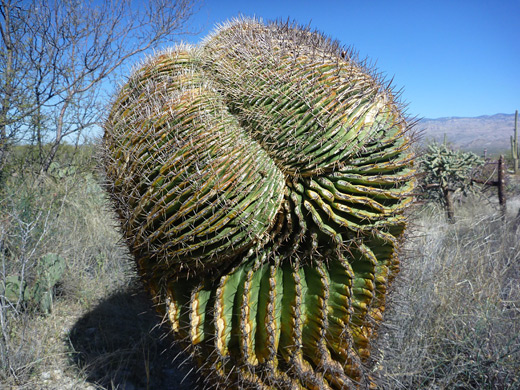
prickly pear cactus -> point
(260, 180)
(49, 271)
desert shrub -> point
(446, 174)
(62, 213)
(454, 317)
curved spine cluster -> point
(261, 180)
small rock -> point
(57, 375)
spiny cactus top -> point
(260, 179)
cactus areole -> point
(260, 180)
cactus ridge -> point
(260, 180)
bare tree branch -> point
(59, 60)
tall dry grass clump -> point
(454, 321)
(62, 214)
(100, 330)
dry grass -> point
(103, 331)
(453, 319)
(454, 315)
(67, 216)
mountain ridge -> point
(485, 132)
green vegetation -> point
(59, 250)
(451, 321)
(261, 189)
(446, 173)
(72, 310)
(48, 272)
(454, 314)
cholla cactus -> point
(260, 180)
(446, 172)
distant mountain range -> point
(490, 132)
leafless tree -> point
(59, 60)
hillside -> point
(489, 132)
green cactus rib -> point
(260, 179)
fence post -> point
(502, 185)
(515, 148)
(448, 198)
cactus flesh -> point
(260, 180)
(39, 293)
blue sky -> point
(451, 58)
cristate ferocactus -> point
(260, 180)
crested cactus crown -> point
(260, 179)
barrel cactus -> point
(260, 179)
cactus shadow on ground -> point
(120, 344)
